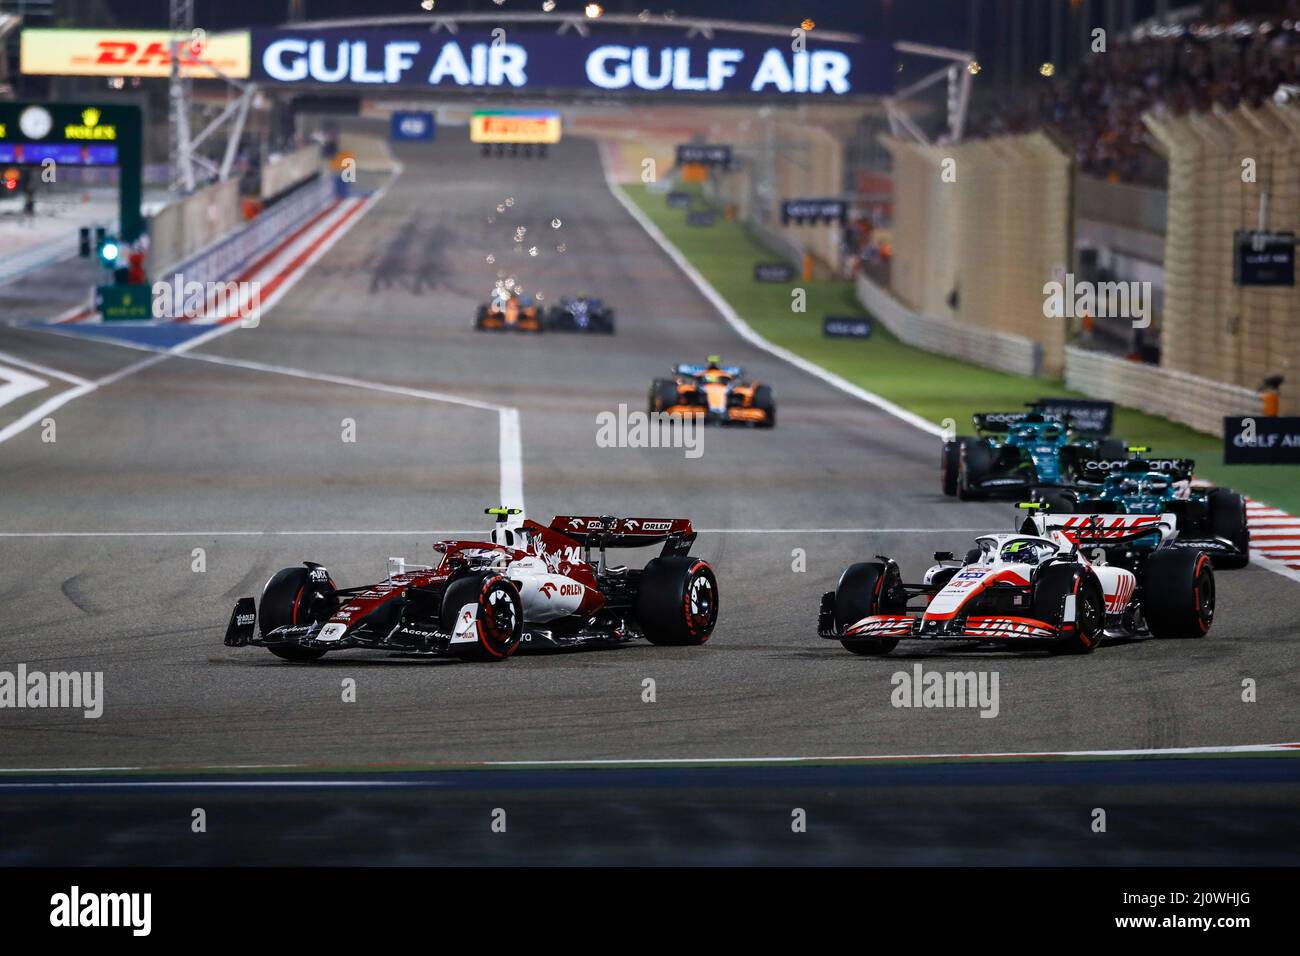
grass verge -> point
(932, 386)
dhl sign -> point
(137, 53)
(514, 126)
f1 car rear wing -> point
(1082, 529)
(998, 422)
(606, 531)
(1175, 469)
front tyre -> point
(291, 598)
(974, 462)
(663, 394)
(677, 603)
(489, 604)
(763, 399)
(1055, 584)
(864, 589)
(1178, 594)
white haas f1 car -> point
(1061, 583)
(533, 585)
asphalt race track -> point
(97, 529)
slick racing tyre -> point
(1178, 594)
(1228, 520)
(498, 616)
(974, 462)
(1053, 585)
(291, 597)
(950, 463)
(663, 394)
(870, 587)
(677, 603)
(763, 399)
(949, 459)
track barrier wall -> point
(227, 257)
(1212, 328)
(183, 228)
(976, 250)
(284, 172)
(970, 343)
(1179, 396)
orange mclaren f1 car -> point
(513, 314)
(717, 393)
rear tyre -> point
(677, 603)
(763, 399)
(949, 461)
(1178, 594)
(1228, 520)
(974, 462)
(1054, 584)
(498, 616)
(290, 598)
(866, 588)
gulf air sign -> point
(134, 53)
(729, 67)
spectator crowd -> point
(1174, 69)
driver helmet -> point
(1020, 552)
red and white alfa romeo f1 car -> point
(532, 585)
(1062, 583)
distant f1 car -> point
(1013, 453)
(532, 585)
(512, 314)
(581, 314)
(1061, 583)
(1209, 519)
(717, 393)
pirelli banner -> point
(731, 66)
(133, 53)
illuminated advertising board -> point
(514, 126)
(723, 67)
(139, 53)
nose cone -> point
(717, 396)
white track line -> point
(741, 327)
(15, 384)
(343, 780)
(510, 445)
(9, 359)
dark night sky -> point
(935, 21)
(940, 22)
